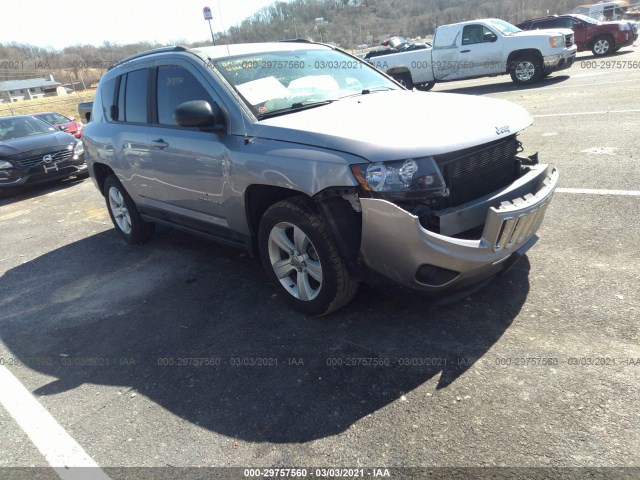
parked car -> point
(33, 151)
(282, 149)
(61, 122)
(481, 48)
(602, 38)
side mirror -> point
(489, 37)
(196, 113)
(73, 119)
(62, 127)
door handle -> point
(159, 143)
(465, 51)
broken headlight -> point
(411, 178)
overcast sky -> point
(60, 24)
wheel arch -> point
(100, 173)
(518, 53)
(345, 223)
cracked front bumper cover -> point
(396, 245)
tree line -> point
(343, 22)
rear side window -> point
(176, 85)
(135, 99)
(108, 92)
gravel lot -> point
(178, 353)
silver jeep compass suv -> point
(285, 149)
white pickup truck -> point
(480, 48)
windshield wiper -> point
(309, 104)
(296, 107)
(379, 88)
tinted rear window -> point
(136, 96)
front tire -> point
(602, 46)
(301, 258)
(124, 214)
(526, 69)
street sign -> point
(207, 13)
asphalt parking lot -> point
(179, 354)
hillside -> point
(343, 22)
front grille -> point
(568, 40)
(478, 171)
(34, 161)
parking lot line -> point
(597, 191)
(61, 451)
(634, 110)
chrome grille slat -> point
(59, 156)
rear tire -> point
(425, 87)
(124, 214)
(526, 69)
(404, 79)
(301, 258)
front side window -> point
(176, 85)
(476, 34)
(281, 82)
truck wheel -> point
(404, 78)
(425, 87)
(526, 69)
(124, 214)
(301, 258)
(602, 46)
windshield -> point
(504, 27)
(53, 118)
(274, 83)
(22, 127)
(586, 19)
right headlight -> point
(4, 165)
(412, 178)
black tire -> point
(602, 45)
(425, 87)
(309, 244)
(124, 214)
(526, 69)
(404, 79)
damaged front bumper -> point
(396, 245)
(562, 61)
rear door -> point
(127, 151)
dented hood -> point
(399, 124)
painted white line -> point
(590, 84)
(62, 452)
(635, 110)
(597, 191)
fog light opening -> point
(435, 276)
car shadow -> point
(509, 86)
(32, 191)
(195, 327)
(613, 55)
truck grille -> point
(34, 161)
(478, 171)
(568, 40)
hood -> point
(399, 124)
(24, 145)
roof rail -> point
(150, 52)
(297, 40)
